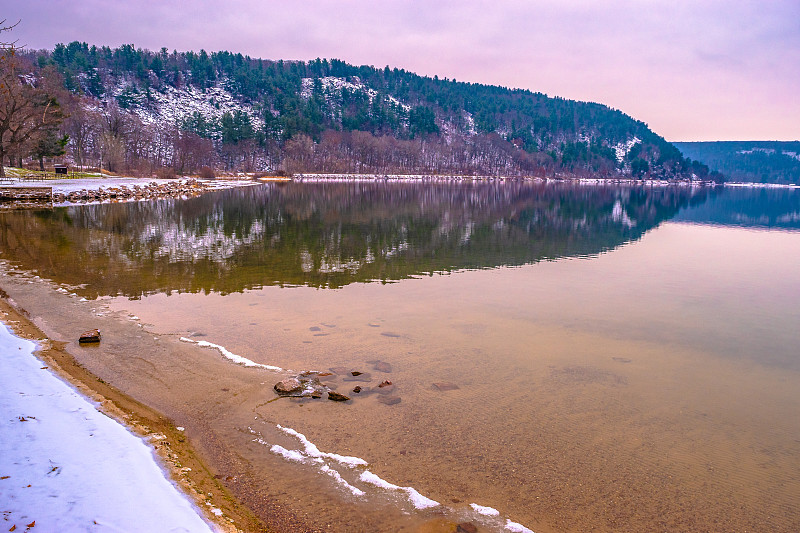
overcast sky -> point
(692, 70)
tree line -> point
(320, 115)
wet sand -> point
(197, 474)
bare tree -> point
(25, 109)
(80, 126)
(299, 153)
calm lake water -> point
(575, 357)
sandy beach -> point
(175, 418)
(124, 460)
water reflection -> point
(328, 234)
(768, 208)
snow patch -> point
(341, 481)
(238, 359)
(172, 106)
(68, 465)
(485, 511)
(417, 500)
(291, 455)
(516, 527)
(311, 450)
(622, 149)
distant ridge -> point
(749, 161)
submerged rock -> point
(288, 386)
(383, 366)
(364, 377)
(445, 386)
(337, 397)
(386, 387)
(466, 527)
(390, 400)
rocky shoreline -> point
(63, 192)
(149, 191)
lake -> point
(562, 357)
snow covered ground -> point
(67, 186)
(64, 466)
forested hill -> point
(756, 161)
(226, 110)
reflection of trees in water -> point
(777, 208)
(329, 234)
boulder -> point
(288, 386)
(92, 335)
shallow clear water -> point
(625, 358)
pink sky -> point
(701, 70)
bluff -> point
(141, 110)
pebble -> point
(337, 397)
(364, 377)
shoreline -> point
(107, 189)
(204, 466)
(153, 384)
(178, 460)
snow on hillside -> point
(770, 151)
(622, 149)
(332, 88)
(173, 105)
